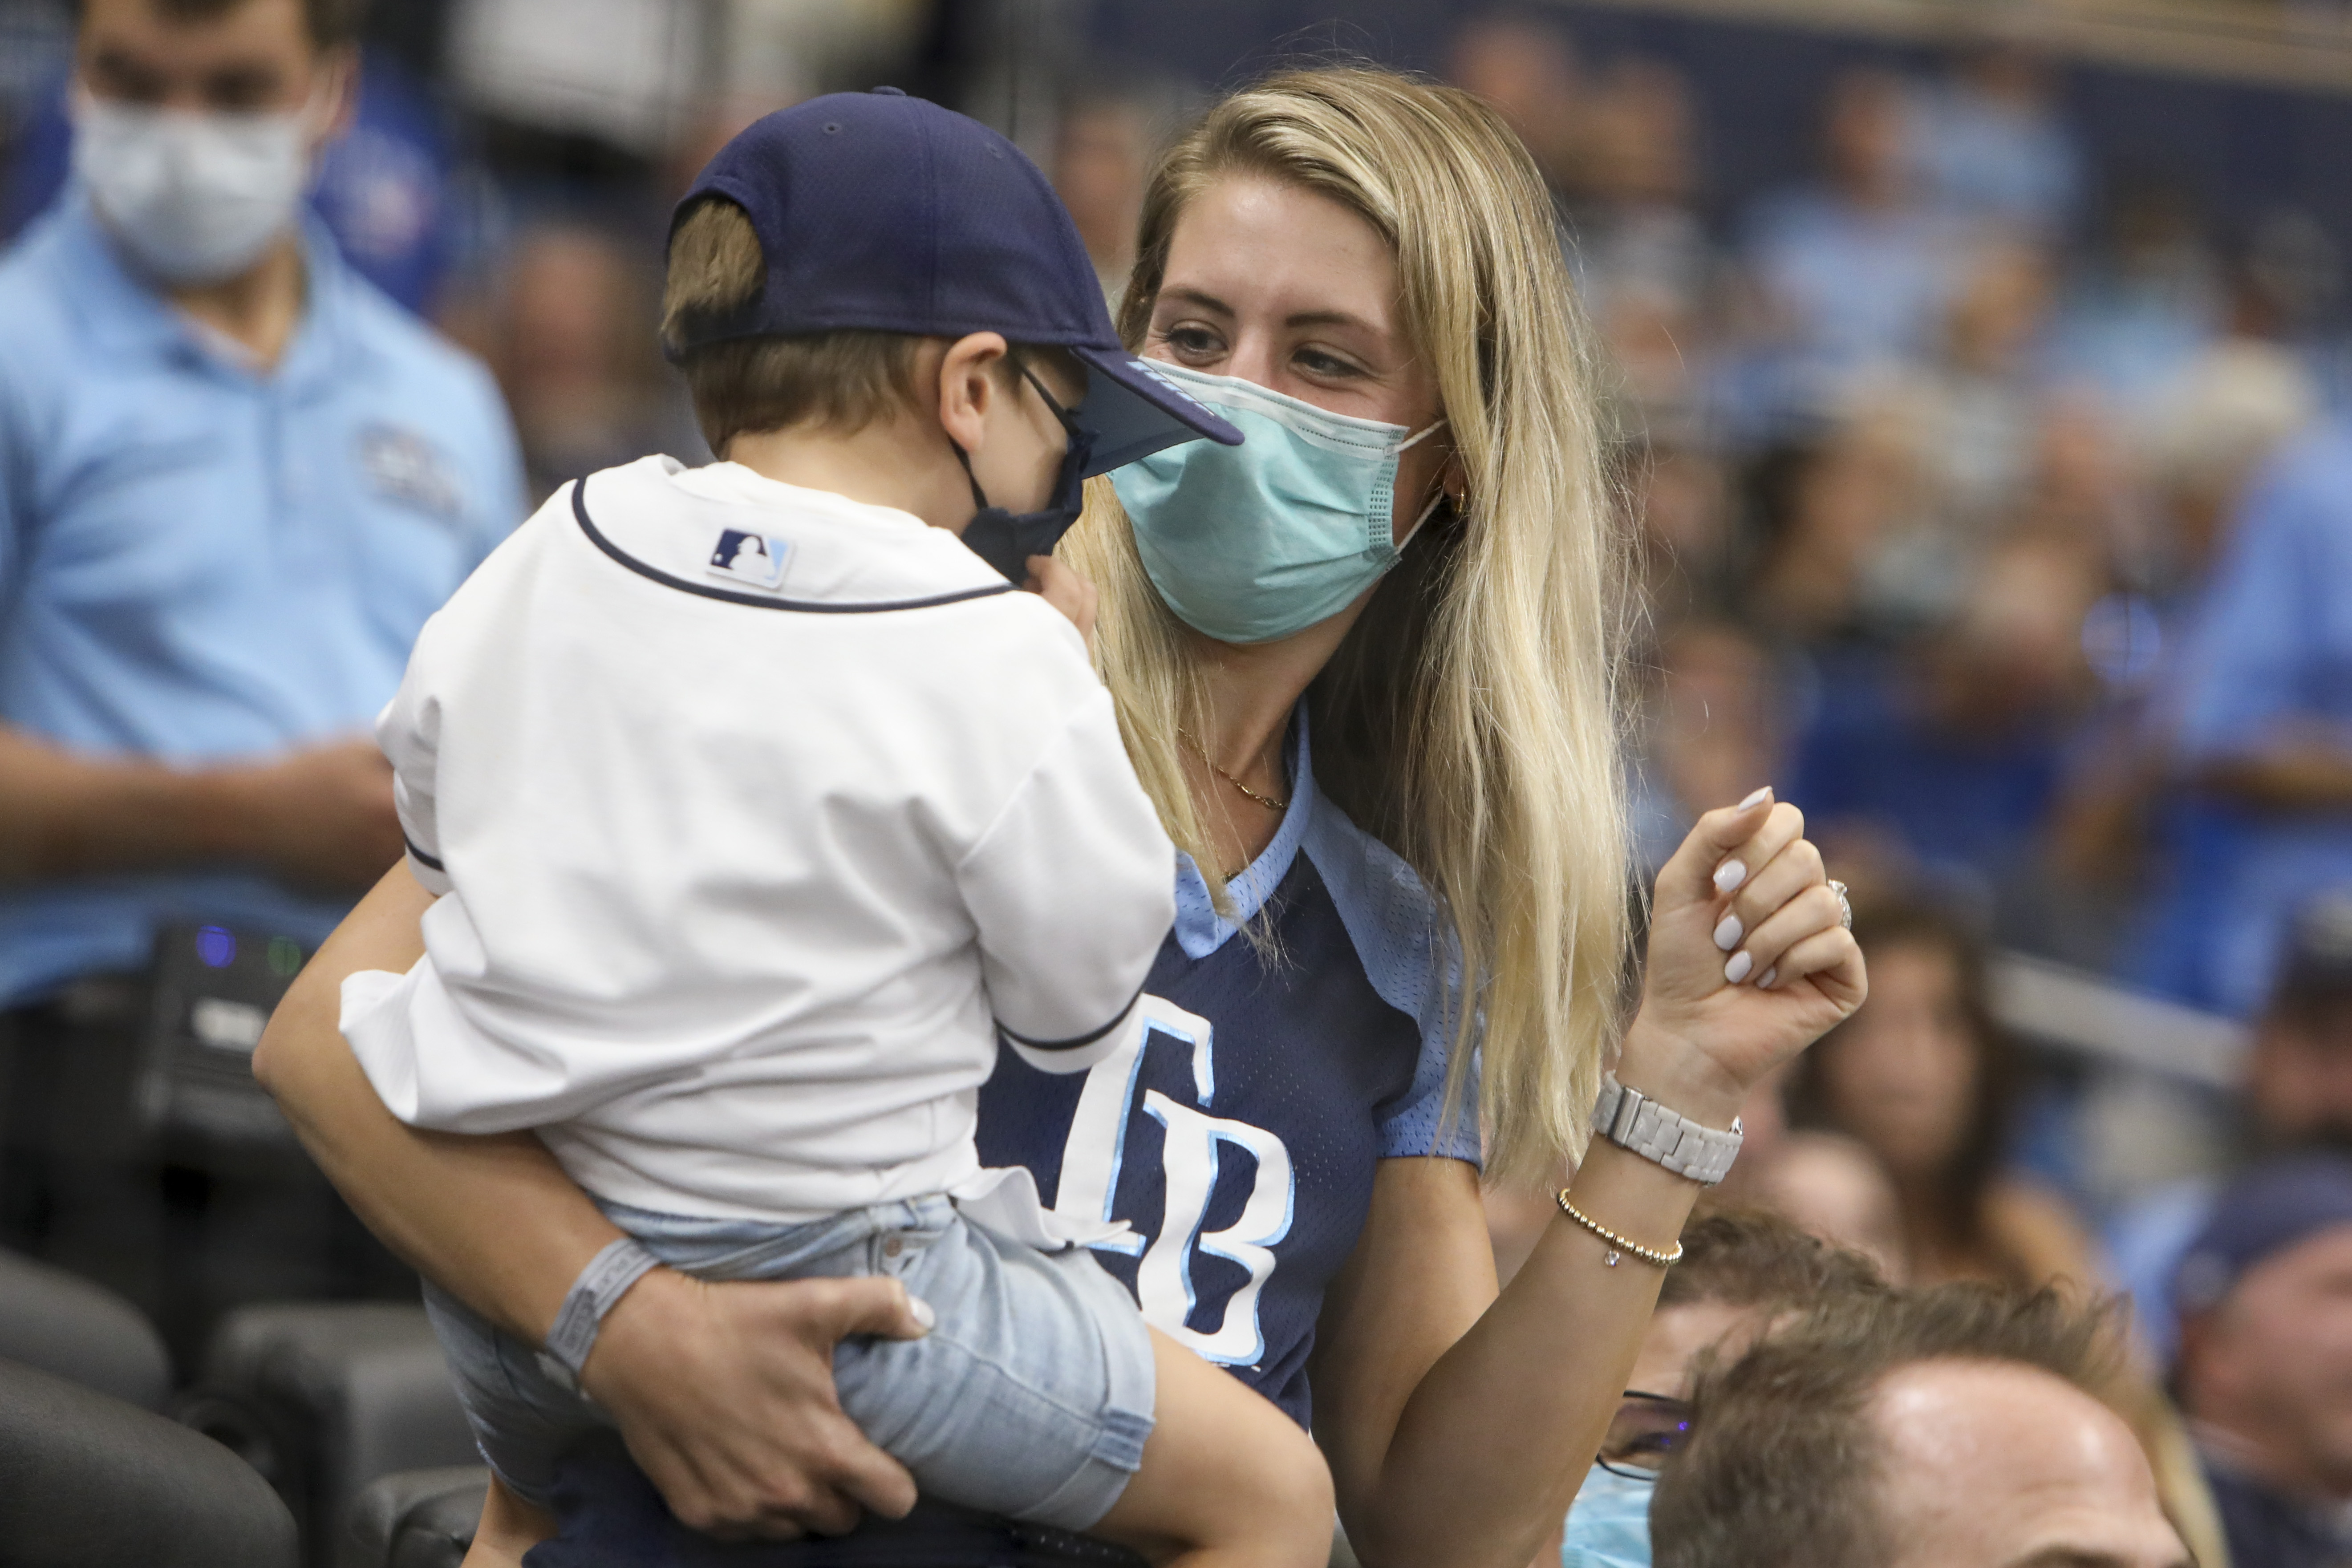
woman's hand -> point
(1749, 961)
(724, 1394)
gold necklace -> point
(1267, 801)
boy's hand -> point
(1063, 588)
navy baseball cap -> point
(2264, 1212)
(878, 210)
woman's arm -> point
(724, 1392)
(448, 1205)
(1459, 1423)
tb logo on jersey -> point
(1193, 1145)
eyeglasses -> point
(1646, 1428)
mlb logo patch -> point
(754, 560)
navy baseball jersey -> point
(1238, 1132)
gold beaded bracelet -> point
(1619, 1245)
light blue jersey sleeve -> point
(1412, 962)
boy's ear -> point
(969, 386)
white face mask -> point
(195, 197)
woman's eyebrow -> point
(1330, 318)
(1196, 297)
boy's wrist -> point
(597, 1290)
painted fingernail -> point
(1728, 932)
(1736, 970)
(1768, 976)
(1729, 875)
(922, 1313)
(1758, 798)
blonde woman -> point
(1364, 665)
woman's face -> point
(1278, 285)
(1901, 1074)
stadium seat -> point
(324, 1399)
(416, 1518)
(90, 1480)
(68, 1327)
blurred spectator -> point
(1823, 511)
(237, 480)
(1956, 747)
(2220, 418)
(2265, 716)
(2146, 301)
(1642, 260)
(1686, 564)
(1833, 1187)
(1959, 1426)
(1979, 395)
(2265, 1366)
(1103, 149)
(1924, 1077)
(2297, 1094)
(1740, 1271)
(571, 340)
(1987, 142)
(2127, 833)
(383, 186)
(1855, 274)
(1525, 66)
(1713, 725)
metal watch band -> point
(597, 1292)
(1631, 1119)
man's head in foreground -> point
(1961, 1427)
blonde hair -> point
(1470, 720)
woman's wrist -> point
(1679, 1074)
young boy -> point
(759, 810)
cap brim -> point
(1134, 413)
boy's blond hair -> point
(841, 380)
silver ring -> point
(1846, 905)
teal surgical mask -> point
(1254, 542)
(1608, 1523)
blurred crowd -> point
(1987, 505)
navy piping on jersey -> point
(421, 857)
(759, 601)
(1075, 1041)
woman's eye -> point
(1193, 342)
(1314, 362)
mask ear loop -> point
(1435, 501)
(1423, 434)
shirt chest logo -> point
(402, 465)
(751, 559)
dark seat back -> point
(68, 1327)
(85, 1479)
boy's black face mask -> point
(1006, 540)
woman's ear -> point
(1455, 479)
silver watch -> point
(1628, 1117)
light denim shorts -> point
(1031, 1398)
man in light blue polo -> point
(2264, 723)
(234, 481)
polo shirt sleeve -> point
(409, 733)
(2246, 658)
(1071, 890)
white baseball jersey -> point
(756, 814)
